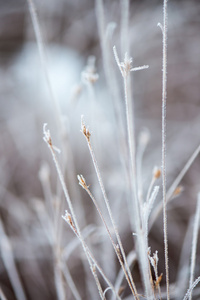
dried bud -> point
(84, 130)
(89, 75)
(157, 282)
(47, 136)
(82, 182)
(178, 191)
(126, 66)
(156, 173)
(93, 268)
(48, 140)
(67, 217)
(119, 253)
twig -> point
(142, 144)
(174, 185)
(83, 184)
(191, 288)
(89, 255)
(154, 263)
(125, 68)
(164, 98)
(87, 135)
(71, 218)
(42, 54)
(124, 34)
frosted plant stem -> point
(164, 98)
(54, 99)
(9, 262)
(101, 293)
(42, 54)
(131, 258)
(142, 247)
(183, 265)
(110, 75)
(142, 144)
(194, 244)
(58, 115)
(90, 256)
(154, 263)
(191, 288)
(182, 173)
(54, 239)
(124, 34)
(131, 140)
(175, 183)
(147, 207)
(87, 135)
(72, 221)
(137, 213)
(83, 184)
(59, 282)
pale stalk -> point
(92, 260)
(174, 185)
(87, 134)
(187, 295)
(131, 285)
(164, 98)
(75, 228)
(141, 241)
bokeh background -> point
(29, 189)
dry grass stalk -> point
(187, 295)
(174, 185)
(70, 218)
(129, 278)
(136, 209)
(164, 98)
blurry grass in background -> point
(71, 36)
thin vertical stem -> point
(42, 54)
(175, 183)
(124, 35)
(131, 139)
(164, 98)
(142, 247)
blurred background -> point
(31, 233)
